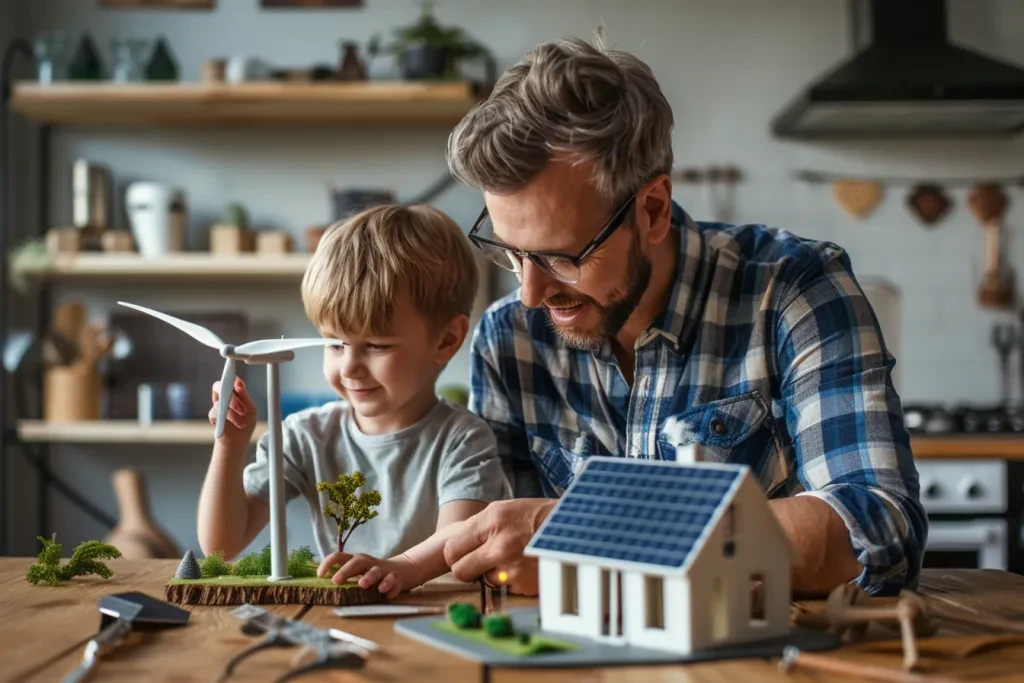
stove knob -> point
(972, 490)
(932, 490)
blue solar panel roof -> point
(637, 511)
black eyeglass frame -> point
(614, 223)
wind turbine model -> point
(269, 352)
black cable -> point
(17, 46)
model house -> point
(663, 555)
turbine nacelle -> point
(258, 352)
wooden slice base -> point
(206, 594)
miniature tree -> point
(345, 507)
(85, 560)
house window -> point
(570, 590)
(758, 593)
(719, 606)
(654, 590)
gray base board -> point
(599, 653)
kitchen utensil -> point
(69, 323)
(987, 202)
(121, 614)
(857, 197)
(157, 213)
(1004, 339)
(929, 203)
(90, 193)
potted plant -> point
(428, 51)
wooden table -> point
(43, 631)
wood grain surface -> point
(43, 631)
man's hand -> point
(493, 540)
(390, 576)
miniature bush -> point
(265, 560)
(85, 560)
(213, 565)
(250, 565)
(524, 638)
(464, 615)
(498, 626)
(301, 564)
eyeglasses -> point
(562, 267)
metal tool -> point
(1004, 339)
(123, 612)
(278, 631)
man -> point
(630, 313)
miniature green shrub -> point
(498, 626)
(464, 615)
(265, 559)
(85, 560)
(250, 565)
(524, 638)
(213, 565)
(301, 564)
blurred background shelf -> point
(121, 431)
(261, 103)
(88, 265)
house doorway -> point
(719, 609)
(611, 603)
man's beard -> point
(623, 301)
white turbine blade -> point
(197, 332)
(269, 346)
(227, 390)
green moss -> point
(250, 565)
(213, 565)
(301, 563)
(538, 643)
(85, 560)
(464, 615)
(498, 626)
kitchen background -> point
(727, 68)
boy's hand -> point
(241, 418)
(390, 576)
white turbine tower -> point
(269, 352)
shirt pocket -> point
(736, 430)
(558, 465)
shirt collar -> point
(678, 317)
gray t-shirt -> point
(450, 454)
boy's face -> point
(389, 379)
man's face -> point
(561, 211)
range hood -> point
(909, 82)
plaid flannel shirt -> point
(770, 354)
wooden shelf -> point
(121, 431)
(259, 103)
(93, 265)
(1001, 446)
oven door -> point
(966, 544)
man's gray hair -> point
(567, 100)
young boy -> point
(396, 285)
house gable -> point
(638, 515)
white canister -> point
(158, 216)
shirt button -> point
(717, 426)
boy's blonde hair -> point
(361, 265)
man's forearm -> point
(821, 541)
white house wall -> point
(676, 634)
(758, 549)
(588, 579)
